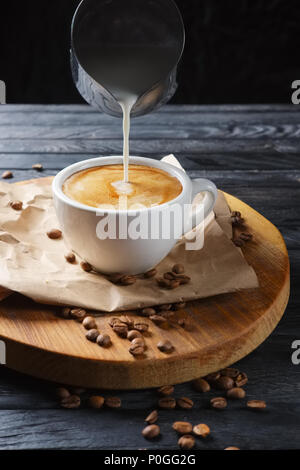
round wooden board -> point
(224, 329)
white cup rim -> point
(61, 177)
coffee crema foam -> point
(103, 187)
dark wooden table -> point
(251, 152)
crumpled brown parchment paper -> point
(35, 266)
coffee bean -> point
(16, 205)
(137, 349)
(89, 323)
(7, 175)
(152, 417)
(158, 319)
(231, 448)
(104, 341)
(224, 383)
(71, 402)
(113, 402)
(185, 403)
(236, 393)
(256, 404)
(182, 427)
(186, 442)
(112, 321)
(141, 326)
(70, 258)
(211, 378)
(165, 347)
(128, 321)
(175, 284)
(150, 274)
(65, 313)
(121, 329)
(219, 403)
(151, 431)
(169, 276)
(167, 403)
(166, 390)
(78, 314)
(183, 279)
(147, 312)
(133, 334)
(139, 341)
(178, 269)
(201, 385)
(96, 402)
(62, 392)
(201, 430)
(127, 280)
(230, 372)
(241, 380)
(37, 167)
(163, 283)
(179, 306)
(54, 234)
(85, 266)
(92, 335)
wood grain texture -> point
(223, 329)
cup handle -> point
(209, 201)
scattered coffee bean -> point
(113, 402)
(256, 404)
(71, 402)
(150, 274)
(134, 334)
(165, 347)
(230, 372)
(113, 320)
(151, 431)
(236, 218)
(96, 402)
(70, 258)
(179, 306)
(178, 269)
(121, 329)
(166, 390)
(185, 403)
(92, 335)
(54, 234)
(183, 279)
(65, 313)
(167, 403)
(128, 321)
(152, 417)
(201, 385)
(139, 341)
(37, 167)
(186, 442)
(169, 276)
(158, 319)
(16, 205)
(147, 312)
(104, 341)
(78, 314)
(89, 323)
(182, 427)
(137, 348)
(224, 383)
(242, 239)
(62, 392)
(85, 266)
(211, 378)
(219, 403)
(241, 380)
(201, 430)
(127, 280)
(7, 175)
(163, 283)
(141, 326)
(236, 393)
(231, 448)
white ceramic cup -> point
(79, 222)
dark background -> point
(237, 51)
